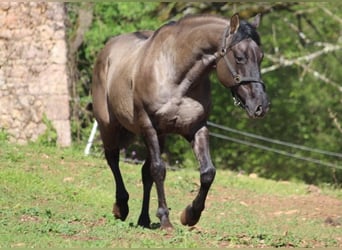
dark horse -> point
(156, 83)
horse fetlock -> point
(161, 212)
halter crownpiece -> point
(239, 80)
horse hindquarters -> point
(111, 133)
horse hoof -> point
(120, 211)
(144, 222)
(166, 227)
(188, 218)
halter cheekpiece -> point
(239, 80)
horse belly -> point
(181, 115)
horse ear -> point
(256, 21)
(234, 23)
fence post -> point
(91, 138)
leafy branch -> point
(281, 61)
(305, 61)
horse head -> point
(238, 67)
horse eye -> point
(240, 59)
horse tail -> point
(99, 89)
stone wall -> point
(33, 70)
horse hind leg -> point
(110, 138)
(120, 207)
(144, 218)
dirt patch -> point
(29, 218)
(292, 212)
(312, 206)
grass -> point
(52, 197)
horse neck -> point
(191, 37)
(203, 32)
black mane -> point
(245, 31)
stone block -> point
(59, 52)
(63, 132)
(33, 72)
(51, 80)
(57, 107)
(4, 6)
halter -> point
(239, 80)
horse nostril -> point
(258, 111)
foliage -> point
(305, 109)
(49, 137)
(56, 197)
(3, 135)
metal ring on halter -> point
(237, 79)
(223, 52)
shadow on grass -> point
(154, 226)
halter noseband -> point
(239, 80)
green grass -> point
(52, 197)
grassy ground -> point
(59, 198)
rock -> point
(33, 70)
(253, 176)
(313, 189)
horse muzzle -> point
(257, 108)
(255, 101)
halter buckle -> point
(223, 52)
(237, 79)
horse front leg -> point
(158, 173)
(144, 218)
(200, 144)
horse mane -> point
(193, 19)
(201, 17)
(143, 35)
(245, 30)
(168, 24)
